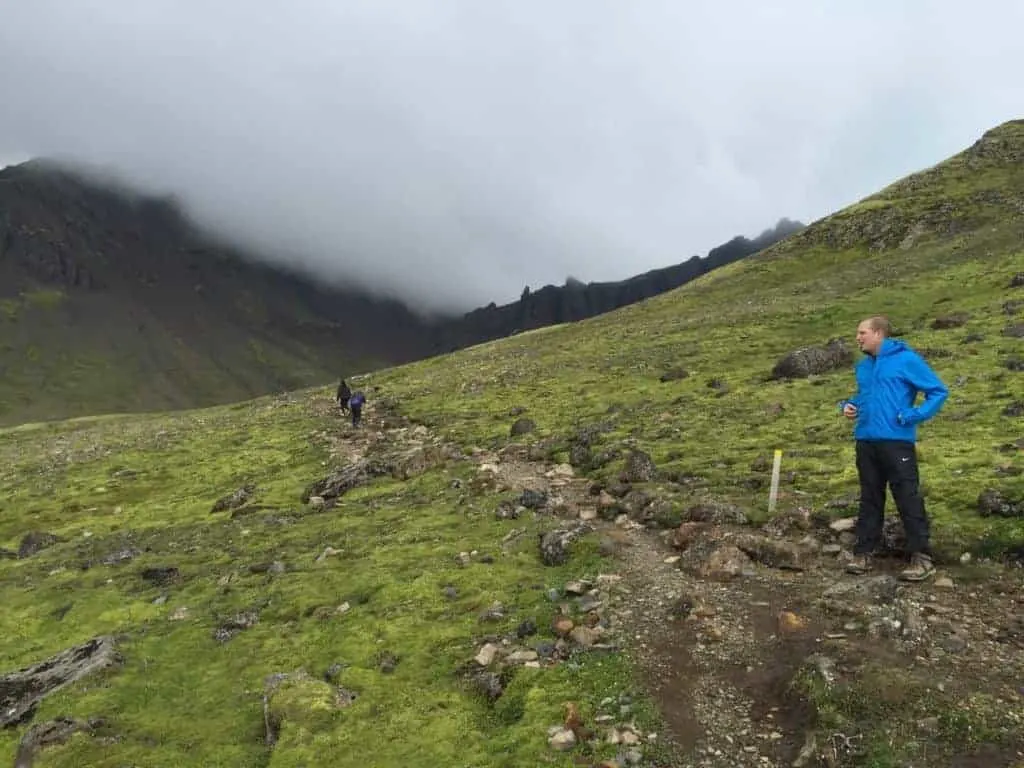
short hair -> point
(881, 324)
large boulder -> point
(810, 361)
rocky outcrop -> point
(21, 691)
(811, 361)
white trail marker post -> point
(773, 494)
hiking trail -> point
(721, 616)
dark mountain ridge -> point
(112, 301)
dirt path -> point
(719, 629)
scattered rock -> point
(809, 361)
(486, 655)
(562, 739)
(526, 628)
(554, 545)
(995, 503)
(952, 320)
(686, 533)
(716, 513)
(417, 460)
(711, 558)
(881, 590)
(522, 426)
(674, 374)
(639, 468)
(1013, 306)
(1014, 409)
(36, 541)
(506, 510)
(1017, 281)
(23, 690)
(161, 576)
(790, 623)
(1014, 331)
(775, 553)
(345, 479)
(50, 733)
(234, 500)
(720, 387)
(237, 623)
(120, 556)
(533, 499)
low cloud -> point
(454, 153)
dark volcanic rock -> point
(995, 503)
(234, 500)
(522, 426)
(21, 691)
(554, 545)
(346, 478)
(809, 361)
(34, 542)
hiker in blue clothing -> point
(355, 403)
(889, 379)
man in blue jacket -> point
(889, 379)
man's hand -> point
(850, 411)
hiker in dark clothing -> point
(343, 395)
(889, 379)
(356, 404)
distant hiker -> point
(888, 380)
(356, 404)
(343, 395)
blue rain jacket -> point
(887, 387)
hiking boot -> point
(920, 568)
(859, 564)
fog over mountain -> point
(451, 153)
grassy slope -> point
(184, 699)
(737, 322)
(63, 355)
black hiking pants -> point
(357, 414)
(892, 463)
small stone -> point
(944, 582)
(562, 625)
(521, 657)
(585, 636)
(789, 622)
(562, 740)
(843, 524)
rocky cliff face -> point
(577, 301)
(112, 301)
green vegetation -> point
(377, 607)
(147, 484)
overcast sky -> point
(458, 150)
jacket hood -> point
(891, 347)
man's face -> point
(868, 339)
